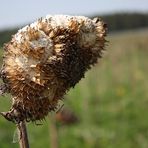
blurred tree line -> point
(116, 22)
(5, 35)
(126, 21)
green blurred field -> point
(111, 102)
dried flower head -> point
(45, 59)
(66, 117)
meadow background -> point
(111, 103)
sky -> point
(18, 12)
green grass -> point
(111, 102)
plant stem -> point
(53, 132)
(22, 131)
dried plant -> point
(66, 117)
(45, 59)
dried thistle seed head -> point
(46, 58)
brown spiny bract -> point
(45, 59)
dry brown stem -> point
(53, 132)
(22, 132)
